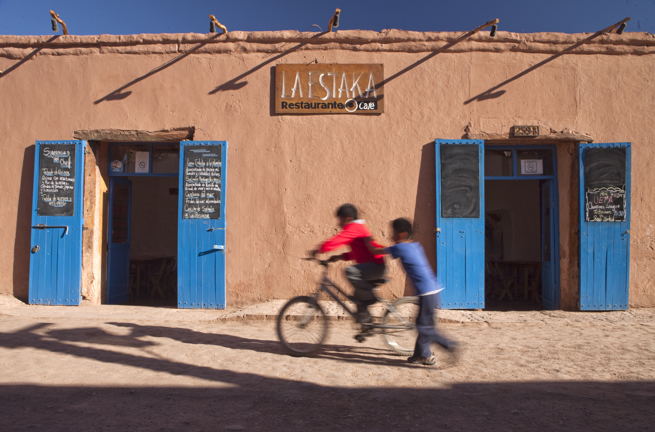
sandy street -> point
(81, 374)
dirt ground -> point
(150, 369)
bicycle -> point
(302, 324)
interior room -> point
(153, 241)
(512, 245)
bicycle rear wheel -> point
(399, 325)
(302, 326)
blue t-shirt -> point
(417, 267)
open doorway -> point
(143, 217)
(521, 271)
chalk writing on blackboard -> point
(605, 204)
(202, 182)
(56, 180)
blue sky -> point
(31, 17)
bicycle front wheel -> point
(302, 326)
(399, 325)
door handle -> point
(44, 226)
(218, 247)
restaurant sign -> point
(329, 89)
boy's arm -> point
(375, 248)
(345, 237)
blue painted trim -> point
(150, 153)
(150, 159)
(548, 177)
(201, 251)
(596, 272)
(112, 254)
(460, 245)
(515, 169)
(555, 235)
(555, 206)
(55, 276)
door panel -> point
(460, 222)
(201, 225)
(549, 256)
(57, 219)
(118, 264)
(604, 225)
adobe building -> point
(197, 170)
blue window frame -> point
(162, 159)
(510, 162)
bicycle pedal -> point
(360, 338)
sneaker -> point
(428, 361)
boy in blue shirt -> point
(416, 265)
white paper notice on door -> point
(142, 162)
(532, 167)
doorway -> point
(142, 220)
(521, 262)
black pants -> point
(360, 275)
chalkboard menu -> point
(202, 182)
(605, 204)
(460, 181)
(56, 180)
(604, 182)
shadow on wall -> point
(494, 91)
(425, 215)
(245, 400)
(120, 93)
(21, 271)
(236, 83)
(27, 58)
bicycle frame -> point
(326, 282)
(323, 287)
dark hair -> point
(402, 225)
(347, 210)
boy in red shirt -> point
(368, 267)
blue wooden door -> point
(57, 220)
(460, 223)
(604, 226)
(549, 256)
(118, 239)
(201, 225)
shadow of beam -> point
(27, 58)
(234, 83)
(255, 401)
(492, 93)
(426, 58)
(119, 93)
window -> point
(143, 159)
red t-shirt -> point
(353, 235)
